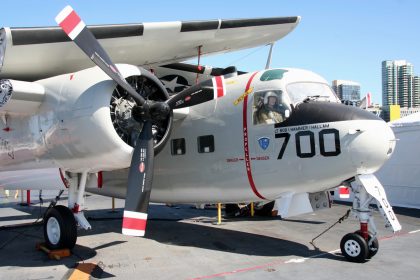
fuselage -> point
(217, 152)
(318, 146)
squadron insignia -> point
(264, 142)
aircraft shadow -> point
(182, 226)
(164, 226)
(225, 240)
(410, 212)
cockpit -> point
(285, 90)
(270, 106)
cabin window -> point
(270, 107)
(178, 147)
(205, 144)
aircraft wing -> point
(35, 53)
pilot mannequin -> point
(270, 112)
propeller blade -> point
(205, 91)
(76, 29)
(139, 188)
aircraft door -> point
(266, 108)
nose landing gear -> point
(363, 244)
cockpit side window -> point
(269, 107)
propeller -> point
(76, 29)
(140, 174)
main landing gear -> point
(60, 229)
(60, 222)
(363, 244)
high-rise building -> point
(347, 90)
(397, 84)
(416, 91)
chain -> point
(345, 216)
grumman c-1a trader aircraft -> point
(114, 129)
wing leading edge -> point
(36, 53)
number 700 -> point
(311, 135)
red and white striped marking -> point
(70, 22)
(344, 192)
(134, 223)
(219, 89)
(246, 142)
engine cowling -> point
(86, 119)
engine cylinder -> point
(122, 104)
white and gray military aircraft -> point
(115, 130)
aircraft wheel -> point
(60, 229)
(354, 248)
(374, 247)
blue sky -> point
(338, 39)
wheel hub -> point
(53, 230)
(352, 248)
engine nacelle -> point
(86, 121)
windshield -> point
(300, 91)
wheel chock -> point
(53, 254)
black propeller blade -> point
(76, 29)
(139, 188)
(205, 91)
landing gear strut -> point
(60, 222)
(363, 244)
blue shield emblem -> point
(264, 142)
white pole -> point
(267, 65)
(82, 186)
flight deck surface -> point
(183, 242)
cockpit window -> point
(274, 74)
(301, 91)
(269, 107)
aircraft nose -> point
(367, 139)
(371, 144)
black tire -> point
(60, 229)
(374, 247)
(354, 248)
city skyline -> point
(345, 41)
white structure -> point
(401, 174)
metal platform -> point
(184, 243)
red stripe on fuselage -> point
(70, 22)
(246, 147)
(219, 86)
(133, 223)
